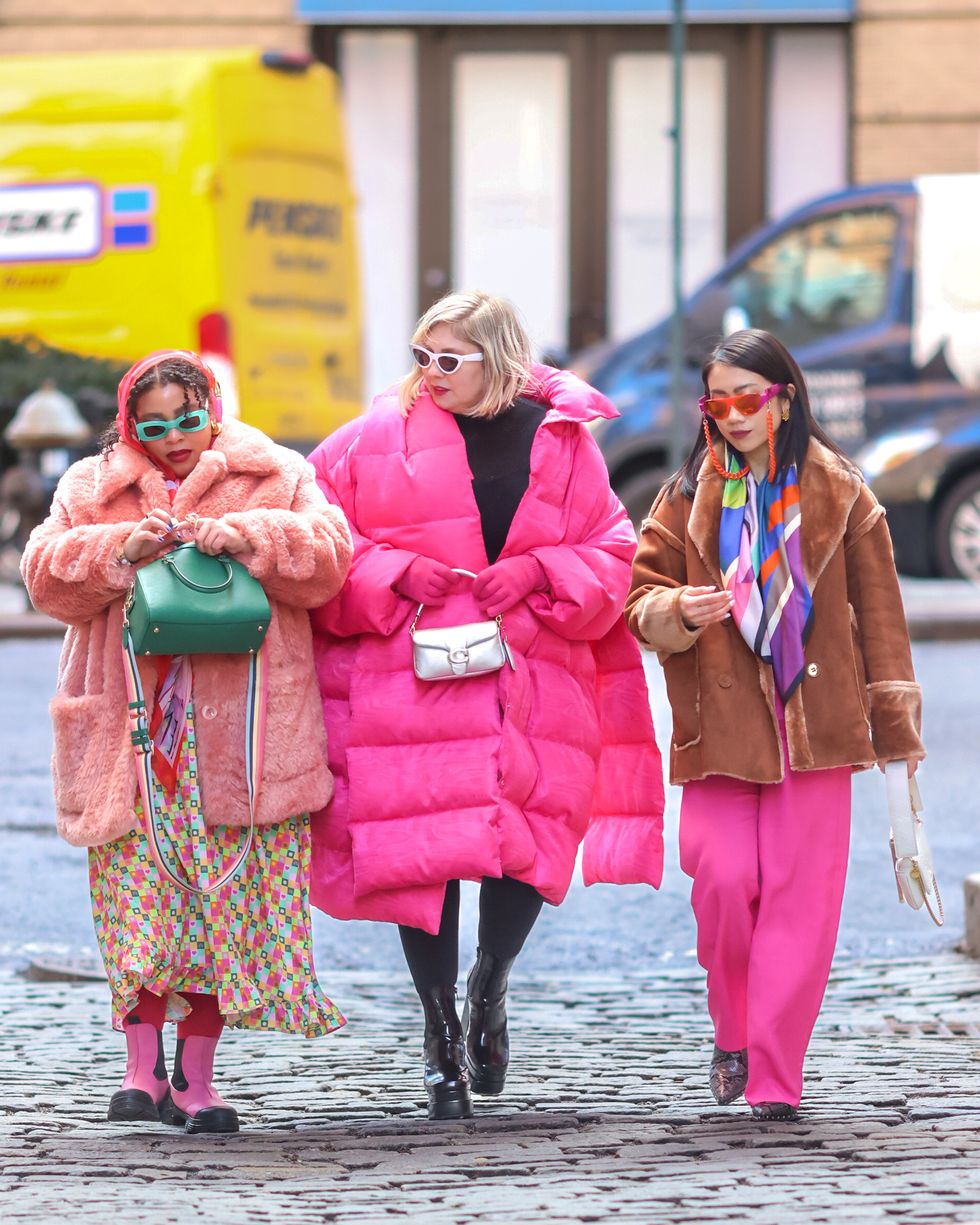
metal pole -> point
(680, 443)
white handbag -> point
(914, 873)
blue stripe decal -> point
(131, 235)
(131, 200)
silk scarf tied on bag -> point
(172, 694)
(761, 564)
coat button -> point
(813, 669)
(209, 712)
(725, 681)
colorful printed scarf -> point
(759, 548)
(172, 695)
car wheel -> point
(958, 531)
(637, 493)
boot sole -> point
(132, 1106)
(454, 1105)
(485, 1083)
(213, 1120)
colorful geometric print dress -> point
(250, 943)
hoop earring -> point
(215, 428)
(716, 462)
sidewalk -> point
(606, 1116)
(934, 608)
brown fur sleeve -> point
(659, 576)
(894, 696)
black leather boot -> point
(446, 1082)
(485, 1023)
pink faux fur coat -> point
(301, 554)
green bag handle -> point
(171, 561)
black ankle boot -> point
(445, 1079)
(485, 1023)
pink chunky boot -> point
(145, 1084)
(193, 1102)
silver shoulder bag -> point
(454, 652)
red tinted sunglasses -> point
(747, 404)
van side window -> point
(820, 278)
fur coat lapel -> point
(823, 504)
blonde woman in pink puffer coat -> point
(484, 462)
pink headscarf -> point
(137, 372)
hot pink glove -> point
(427, 582)
(507, 582)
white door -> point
(640, 178)
(510, 185)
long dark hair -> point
(758, 351)
(172, 370)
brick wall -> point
(39, 26)
(916, 83)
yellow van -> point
(186, 199)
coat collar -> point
(569, 397)
(829, 488)
(239, 448)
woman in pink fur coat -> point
(171, 471)
(484, 463)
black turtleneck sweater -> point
(498, 450)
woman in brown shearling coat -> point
(765, 581)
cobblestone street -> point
(606, 1116)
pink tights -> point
(204, 1020)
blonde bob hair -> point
(493, 325)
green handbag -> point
(190, 603)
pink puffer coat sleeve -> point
(70, 569)
(624, 840)
(301, 555)
(367, 603)
(589, 575)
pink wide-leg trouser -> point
(768, 863)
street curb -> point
(924, 627)
(29, 625)
(932, 628)
(971, 915)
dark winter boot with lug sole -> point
(446, 1082)
(485, 1023)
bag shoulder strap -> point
(903, 804)
(143, 754)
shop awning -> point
(563, 12)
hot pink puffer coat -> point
(495, 775)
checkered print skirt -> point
(250, 943)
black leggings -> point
(508, 910)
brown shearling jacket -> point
(859, 701)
